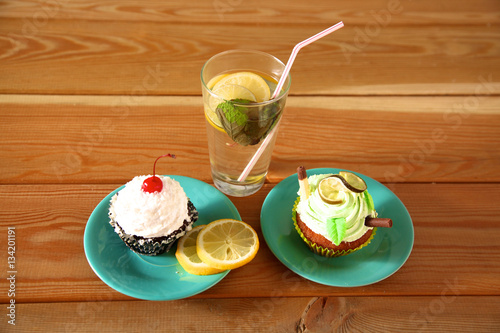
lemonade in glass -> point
(240, 112)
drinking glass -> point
(236, 125)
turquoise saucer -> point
(158, 277)
(385, 255)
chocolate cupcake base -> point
(152, 246)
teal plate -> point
(387, 252)
(160, 277)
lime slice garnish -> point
(331, 190)
(353, 182)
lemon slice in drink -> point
(253, 82)
(331, 190)
(226, 92)
(227, 244)
(214, 80)
(187, 256)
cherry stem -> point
(154, 165)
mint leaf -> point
(336, 228)
(247, 125)
(232, 113)
(234, 119)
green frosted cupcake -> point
(334, 214)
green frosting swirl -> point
(337, 222)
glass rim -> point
(285, 88)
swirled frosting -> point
(150, 214)
(315, 213)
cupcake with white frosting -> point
(334, 213)
(150, 213)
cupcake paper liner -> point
(152, 246)
(325, 252)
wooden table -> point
(408, 93)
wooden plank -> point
(72, 56)
(439, 139)
(456, 242)
(399, 12)
(442, 313)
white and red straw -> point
(281, 82)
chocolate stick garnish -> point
(303, 183)
(301, 172)
(378, 222)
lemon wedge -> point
(227, 244)
(331, 190)
(187, 256)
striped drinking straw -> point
(281, 82)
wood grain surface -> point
(102, 144)
(424, 12)
(407, 93)
(86, 62)
(443, 313)
(158, 49)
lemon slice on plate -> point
(227, 244)
(251, 81)
(187, 256)
(331, 190)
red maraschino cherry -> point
(154, 184)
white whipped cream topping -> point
(150, 214)
(314, 212)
